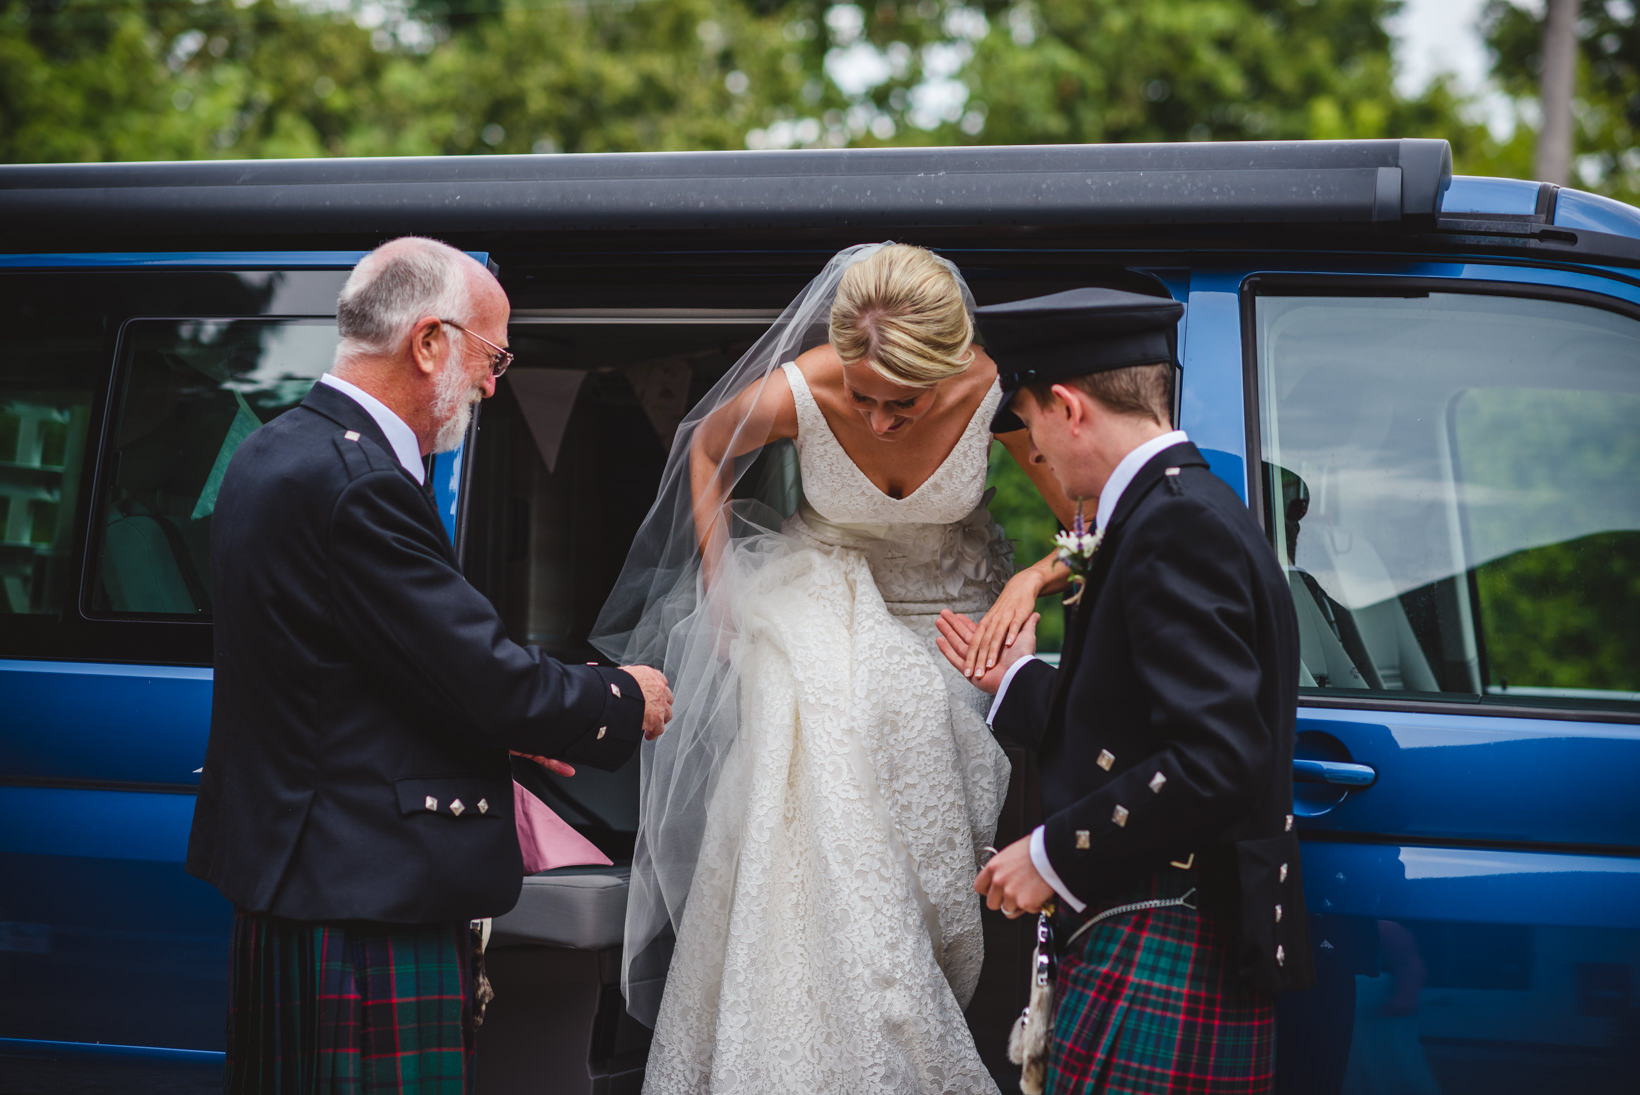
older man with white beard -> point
(356, 802)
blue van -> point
(1427, 387)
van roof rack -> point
(1082, 187)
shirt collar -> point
(399, 435)
(1127, 469)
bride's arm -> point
(760, 413)
(1014, 605)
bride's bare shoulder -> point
(820, 364)
(822, 370)
(983, 370)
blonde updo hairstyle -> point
(901, 310)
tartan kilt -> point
(1149, 1002)
(349, 1007)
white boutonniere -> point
(1076, 549)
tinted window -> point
(61, 331)
(1450, 481)
(189, 392)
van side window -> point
(188, 392)
(1450, 481)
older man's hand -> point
(657, 699)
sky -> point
(1435, 36)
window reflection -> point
(1449, 480)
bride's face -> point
(889, 409)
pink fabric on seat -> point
(547, 840)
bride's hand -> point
(956, 633)
(1002, 624)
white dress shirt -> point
(399, 435)
(1118, 482)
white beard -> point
(453, 405)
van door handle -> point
(1337, 772)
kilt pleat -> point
(1148, 1004)
(349, 1008)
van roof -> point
(1050, 195)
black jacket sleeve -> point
(438, 643)
(1023, 714)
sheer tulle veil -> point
(662, 614)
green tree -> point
(1039, 71)
(122, 80)
(588, 78)
(125, 79)
(1605, 99)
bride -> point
(802, 914)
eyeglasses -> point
(498, 361)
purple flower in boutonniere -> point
(1075, 550)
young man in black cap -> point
(1167, 860)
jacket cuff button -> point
(431, 803)
(602, 730)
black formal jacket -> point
(366, 695)
(1168, 729)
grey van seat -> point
(558, 1025)
(1394, 649)
(1322, 659)
(1358, 585)
(147, 568)
(583, 908)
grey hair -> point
(396, 285)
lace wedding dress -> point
(831, 938)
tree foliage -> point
(1109, 70)
(126, 79)
(1606, 95)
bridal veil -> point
(662, 614)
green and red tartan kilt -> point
(355, 1007)
(1149, 1003)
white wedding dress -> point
(831, 937)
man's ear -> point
(429, 346)
(1069, 405)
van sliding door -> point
(1448, 473)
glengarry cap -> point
(1074, 333)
